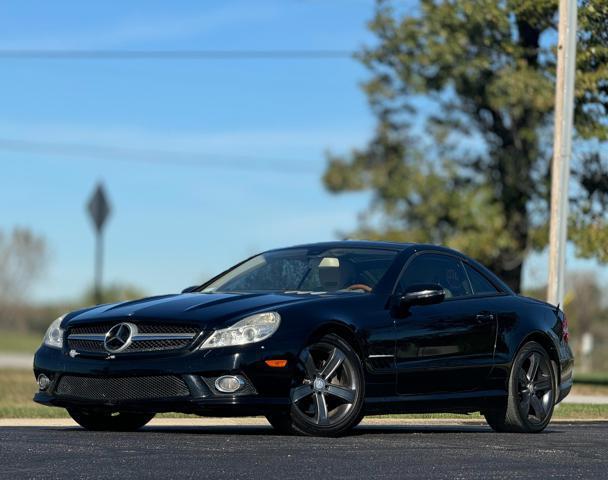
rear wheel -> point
(531, 398)
(328, 399)
(110, 421)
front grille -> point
(102, 328)
(121, 388)
(149, 338)
(87, 346)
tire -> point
(328, 398)
(108, 421)
(281, 422)
(531, 396)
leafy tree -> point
(480, 76)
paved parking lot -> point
(255, 451)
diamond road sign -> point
(98, 207)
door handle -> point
(484, 317)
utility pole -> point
(99, 210)
(562, 149)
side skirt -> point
(461, 402)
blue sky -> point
(259, 130)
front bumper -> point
(266, 389)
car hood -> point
(206, 310)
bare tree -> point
(23, 259)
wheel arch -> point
(341, 329)
(545, 341)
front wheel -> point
(110, 421)
(531, 398)
(328, 399)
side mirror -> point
(190, 289)
(423, 294)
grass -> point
(581, 411)
(18, 342)
(589, 389)
(595, 378)
(17, 387)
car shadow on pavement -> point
(262, 430)
(246, 430)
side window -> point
(443, 270)
(479, 283)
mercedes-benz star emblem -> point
(119, 337)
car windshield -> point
(307, 270)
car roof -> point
(396, 246)
(353, 244)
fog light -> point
(43, 381)
(229, 383)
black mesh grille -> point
(87, 346)
(98, 328)
(102, 328)
(121, 388)
(137, 346)
(157, 345)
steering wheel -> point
(360, 286)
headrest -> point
(334, 274)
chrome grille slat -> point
(149, 337)
(103, 327)
(136, 337)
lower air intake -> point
(121, 388)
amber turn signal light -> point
(276, 363)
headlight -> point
(249, 330)
(54, 335)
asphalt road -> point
(450, 452)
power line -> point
(52, 54)
(158, 157)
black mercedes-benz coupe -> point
(314, 337)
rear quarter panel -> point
(519, 320)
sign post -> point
(99, 210)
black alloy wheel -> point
(328, 398)
(536, 395)
(532, 390)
